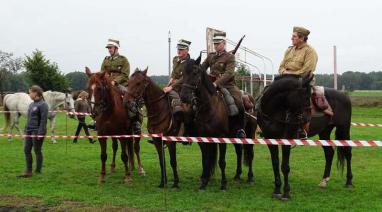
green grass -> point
(71, 172)
(365, 93)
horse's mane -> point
(281, 84)
(205, 80)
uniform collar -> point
(302, 46)
(181, 61)
(115, 55)
(221, 53)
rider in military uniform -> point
(118, 68)
(222, 67)
(116, 65)
(175, 84)
(300, 58)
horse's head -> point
(283, 101)
(138, 82)
(69, 104)
(99, 85)
(192, 76)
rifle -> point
(237, 45)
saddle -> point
(319, 102)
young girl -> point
(81, 106)
(36, 125)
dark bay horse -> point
(111, 119)
(287, 96)
(159, 116)
(210, 119)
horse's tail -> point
(130, 152)
(341, 158)
(248, 154)
(212, 154)
(7, 116)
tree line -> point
(17, 74)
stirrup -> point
(241, 134)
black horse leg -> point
(329, 154)
(162, 162)
(222, 165)
(172, 150)
(286, 169)
(349, 174)
(248, 159)
(239, 156)
(274, 150)
(204, 177)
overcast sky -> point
(73, 33)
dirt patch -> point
(366, 101)
(18, 204)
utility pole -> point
(169, 54)
(335, 66)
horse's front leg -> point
(239, 156)
(222, 165)
(137, 150)
(274, 150)
(204, 177)
(159, 147)
(125, 159)
(329, 154)
(103, 144)
(349, 174)
(115, 149)
(248, 160)
(172, 150)
(286, 169)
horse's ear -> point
(145, 71)
(136, 70)
(87, 71)
(198, 60)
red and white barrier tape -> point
(298, 142)
(53, 111)
(88, 114)
(365, 125)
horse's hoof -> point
(223, 188)
(141, 172)
(251, 181)
(101, 179)
(128, 180)
(349, 186)
(237, 178)
(285, 199)
(161, 185)
(276, 195)
(112, 169)
(175, 186)
(324, 183)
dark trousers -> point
(36, 143)
(82, 124)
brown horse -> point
(210, 119)
(111, 119)
(159, 117)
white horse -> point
(16, 105)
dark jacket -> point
(37, 117)
(81, 106)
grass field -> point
(366, 93)
(70, 174)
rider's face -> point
(296, 40)
(182, 53)
(219, 46)
(112, 50)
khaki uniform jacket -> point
(299, 61)
(221, 64)
(177, 72)
(81, 106)
(118, 67)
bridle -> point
(103, 102)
